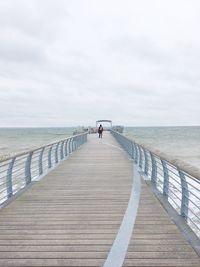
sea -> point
(179, 142)
(182, 143)
(16, 140)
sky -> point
(68, 63)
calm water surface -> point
(180, 142)
(13, 140)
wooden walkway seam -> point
(72, 216)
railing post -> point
(136, 153)
(40, 163)
(154, 170)
(140, 157)
(75, 143)
(78, 142)
(166, 178)
(185, 195)
(35, 163)
(28, 168)
(61, 150)
(9, 178)
(127, 146)
(132, 150)
(70, 145)
(66, 147)
(162, 172)
(146, 166)
(124, 144)
(49, 157)
(56, 153)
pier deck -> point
(72, 216)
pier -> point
(86, 201)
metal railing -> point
(20, 170)
(179, 187)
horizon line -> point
(74, 126)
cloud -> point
(73, 62)
(19, 48)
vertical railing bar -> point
(61, 150)
(70, 145)
(36, 162)
(166, 178)
(150, 162)
(75, 143)
(9, 184)
(136, 155)
(140, 156)
(129, 147)
(28, 168)
(49, 157)
(146, 163)
(154, 170)
(185, 195)
(66, 148)
(56, 153)
(40, 163)
(132, 151)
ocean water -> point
(14, 140)
(179, 142)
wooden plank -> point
(71, 216)
(157, 242)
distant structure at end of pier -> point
(117, 128)
(91, 130)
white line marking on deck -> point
(119, 248)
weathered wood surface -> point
(71, 217)
(156, 240)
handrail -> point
(179, 187)
(36, 148)
(180, 164)
(19, 170)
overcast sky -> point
(65, 63)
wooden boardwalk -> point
(72, 216)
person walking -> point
(100, 131)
